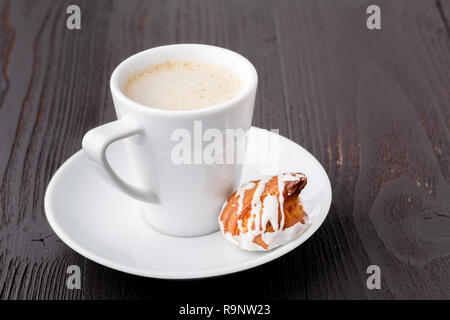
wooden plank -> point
(373, 106)
(32, 258)
(444, 10)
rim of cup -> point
(119, 94)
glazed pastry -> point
(266, 213)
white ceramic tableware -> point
(103, 224)
(177, 199)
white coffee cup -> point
(177, 199)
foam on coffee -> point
(183, 85)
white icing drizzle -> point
(281, 200)
(239, 222)
(241, 194)
(270, 212)
(255, 214)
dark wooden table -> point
(372, 105)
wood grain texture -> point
(372, 106)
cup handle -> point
(96, 142)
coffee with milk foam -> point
(186, 85)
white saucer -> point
(102, 224)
